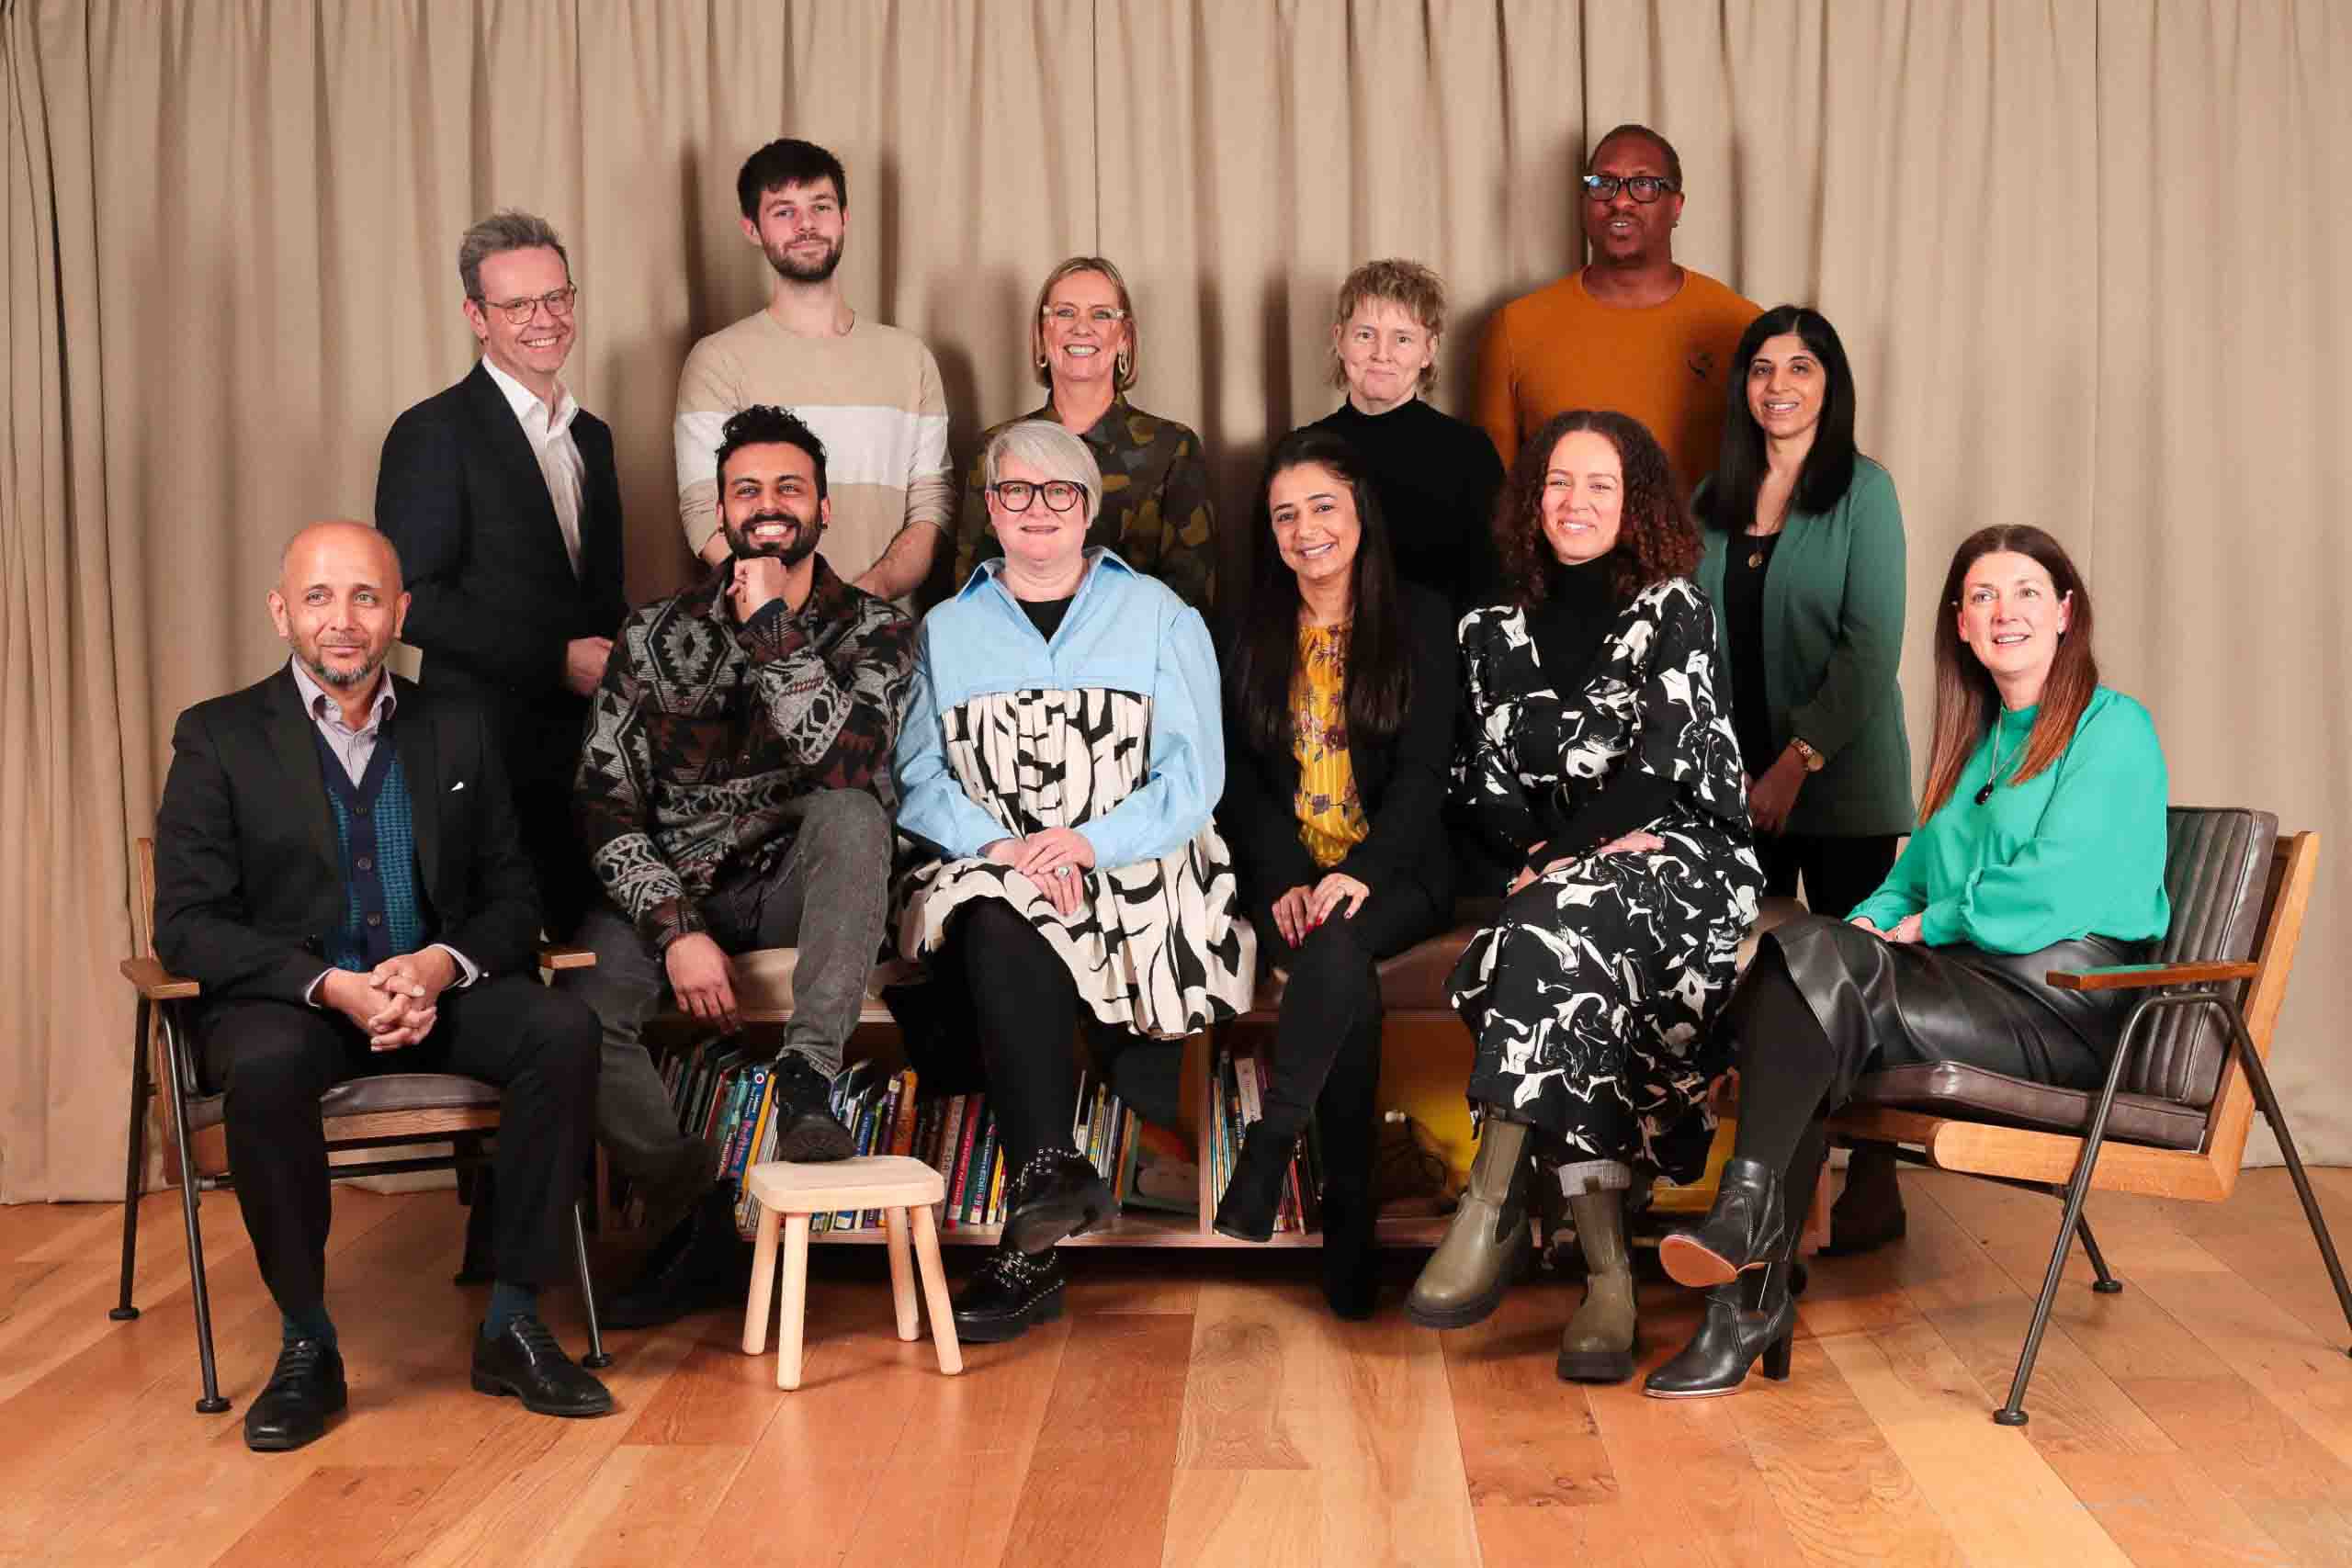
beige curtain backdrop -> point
(2081, 254)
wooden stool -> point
(791, 1194)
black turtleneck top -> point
(1569, 629)
(1436, 477)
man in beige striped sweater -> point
(871, 392)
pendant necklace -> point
(1994, 777)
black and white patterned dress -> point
(990, 750)
(1591, 994)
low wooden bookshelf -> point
(1138, 1226)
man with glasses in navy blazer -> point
(502, 498)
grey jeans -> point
(828, 898)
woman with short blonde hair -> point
(1436, 476)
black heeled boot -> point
(1746, 1318)
(1745, 1229)
(1869, 1212)
(1253, 1194)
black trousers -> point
(1326, 1038)
(275, 1059)
(1025, 1008)
(1838, 874)
(550, 834)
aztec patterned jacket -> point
(705, 730)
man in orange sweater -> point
(1630, 330)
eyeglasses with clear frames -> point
(1015, 495)
(1644, 188)
(518, 312)
(1100, 315)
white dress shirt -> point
(549, 433)
(354, 749)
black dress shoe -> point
(304, 1389)
(1058, 1193)
(701, 1264)
(1869, 1212)
(1745, 1319)
(1010, 1290)
(1743, 1230)
(808, 1131)
(524, 1359)
(1253, 1194)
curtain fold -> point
(2084, 257)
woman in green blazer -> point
(1804, 558)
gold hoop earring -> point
(1124, 364)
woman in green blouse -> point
(1085, 345)
(2042, 848)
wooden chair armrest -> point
(2138, 976)
(552, 957)
(156, 982)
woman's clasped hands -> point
(1056, 859)
(1628, 844)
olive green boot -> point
(1601, 1339)
(1464, 1278)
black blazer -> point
(248, 876)
(1402, 780)
(460, 495)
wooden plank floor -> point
(1202, 1408)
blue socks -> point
(311, 1324)
(508, 1303)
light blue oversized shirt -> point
(1123, 632)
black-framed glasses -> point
(1644, 188)
(518, 312)
(1100, 315)
(1015, 495)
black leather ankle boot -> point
(1253, 1195)
(1745, 1319)
(1057, 1194)
(1743, 1230)
(1869, 1212)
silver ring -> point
(1061, 871)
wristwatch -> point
(1813, 761)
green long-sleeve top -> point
(1833, 635)
(2078, 850)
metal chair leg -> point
(2106, 1285)
(596, 1356)
(134, 1165)
(2259, 1077)
(212, 1404)
(2012, 1413)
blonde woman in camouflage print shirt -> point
(1156, 510)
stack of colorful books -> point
(725, 1095)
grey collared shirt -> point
(354, 749)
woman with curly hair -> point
(1601, 765)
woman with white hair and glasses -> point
(1059, 757)
(1153, 506)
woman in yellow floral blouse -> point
(1339, 720)
(1086, 346)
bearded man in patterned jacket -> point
(734, 792)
